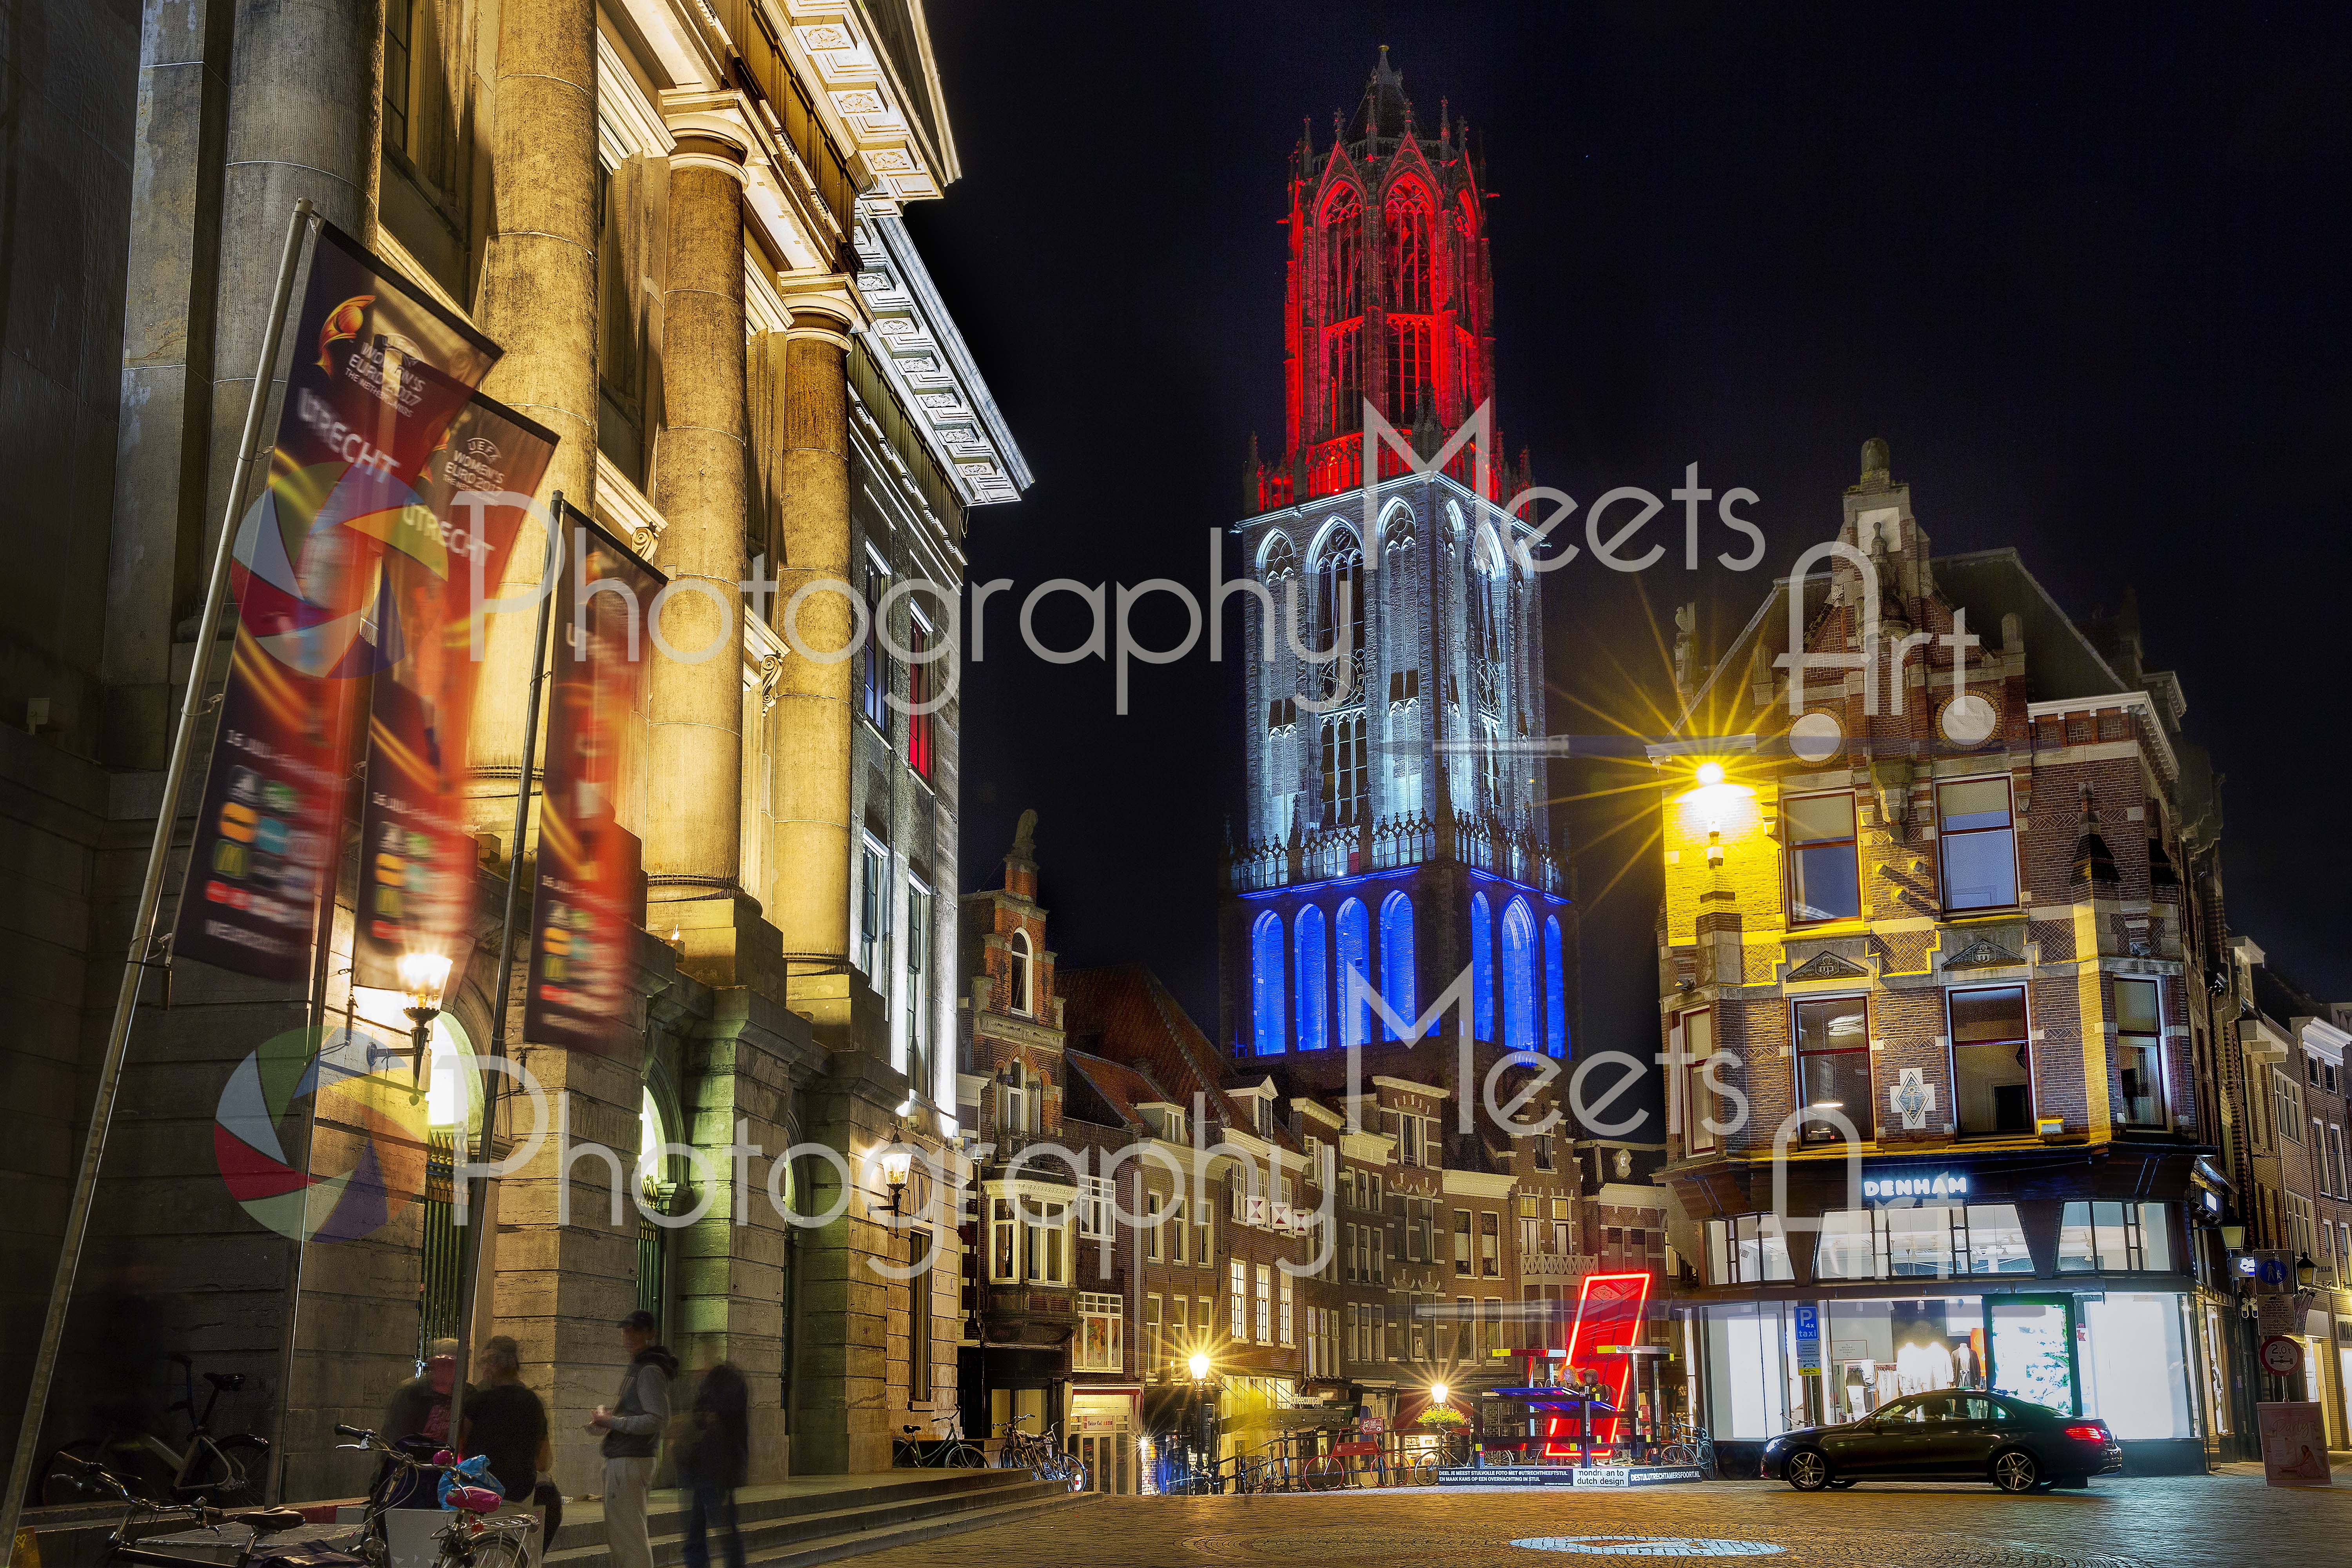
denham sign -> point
(1914, 1186)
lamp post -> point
(1197, 1364)
(424, 977)
(896, 1161)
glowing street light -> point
(1437, 1392)
(1199, 1365)
(897, 1161)
(424, 977)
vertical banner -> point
(442, 560)
(585, 923)
(378, 373)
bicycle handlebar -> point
(358, 1432)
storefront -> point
(1104, 1432)
(1951, 1279)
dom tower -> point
(1397, 821)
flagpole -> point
(469, 1247)
(151, 892)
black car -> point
(1951, 1434)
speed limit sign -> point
(2281, 1357)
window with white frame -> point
(1047, 1241)
(873, 909)
(2139, 1053)
(1098, 1348)
(1155, 1335)
(1179, 1233)
(919, 990)
(2115, 1237)
(1283, 1323)
(2287, 1100)
(1094, 1206)
(1237, 1281)
(1978, 842)
(1023, 999)
(1265, 1303)
(1699, 1122)
(1747, 1250)
(1154, 1240)
(1204, 1237)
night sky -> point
(2085, 271)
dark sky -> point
(2085, 270)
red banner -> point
(378, 373)
(585, 918)
(441, 562)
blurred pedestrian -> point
(718, 1452)
(633, 1426)
(420, 1407)
(507, 1423)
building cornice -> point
(830, 44)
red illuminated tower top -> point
(1389, 295)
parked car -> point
(1950, 1435)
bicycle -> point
(102, 1483)
(1687, 1444)
(208, 1470)
(470, 1539)
(950, 1450)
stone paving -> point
(2226, 1521)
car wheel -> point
(2015, 1471)
(1808, 1470)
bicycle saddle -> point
(267, 1520)
(227, 1381)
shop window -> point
(2139, 1054)
(1824, 873)
(1931, 1240)
(2136, 1369)
(1991, 1062)
(1833, 1068)
(1749, 1249)
(1978, 844)
(2115, 1238)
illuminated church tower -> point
(1397, 821)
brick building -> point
(1936, 1001)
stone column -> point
(694, 743)
(539, 302)
(813, 700)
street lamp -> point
(1437, 1392)
(896, 1161)
(2307, 1272)
(1197, 1364)
(424, 977)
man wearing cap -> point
(633, 1426)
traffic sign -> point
(2281, 1357)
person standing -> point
(507, 1423)
(633, 1426)
(718, 1454)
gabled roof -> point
(1120, 1087)
(1126, 1016)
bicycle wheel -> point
(224, 1469)
(502, 1549)
(965, 1456)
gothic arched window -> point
(1269, 990)
(1519, 970)
(1343, 257)
(1482, 968)
(1347, 772)
(1343, 307)
(1355, 958)
(1410, 262)
(1396, 959)
(1487, 607)
(1314, 969)
(1339, 613)
(1555, 990)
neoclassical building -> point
(681, 220)
(1398, 824)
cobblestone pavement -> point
(2227, 1520)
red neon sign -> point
(1608, 1311)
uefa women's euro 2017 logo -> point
(346, 1097)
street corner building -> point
(1955, 1089)
(682, 224)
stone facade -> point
(683, 227)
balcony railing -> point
(1390, 843)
